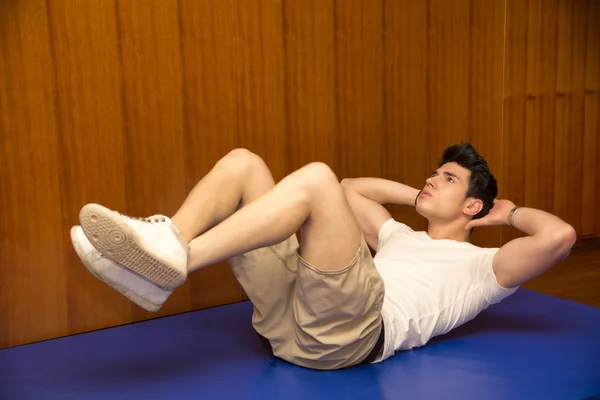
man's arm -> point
(550, 240)
(367, 197)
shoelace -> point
(154, 219)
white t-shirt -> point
(431, 286)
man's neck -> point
(450, 231)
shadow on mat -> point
(164, 364)
(492, 320)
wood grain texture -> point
(570, 87)
(540, 103)
(33, 296)
(310, 82)
(259, 64)
(129, 104)
(550, 132)
(449, 75)
(89, 110)
(590, 210)
(359, 88)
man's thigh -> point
(331, 235)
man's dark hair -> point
(482, 184)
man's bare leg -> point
(237, 179)
(311, 199)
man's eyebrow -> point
(451, 174)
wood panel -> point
(570, 88)
(449, 70)
(89, 109)
(310, 82)
(130, 104)
(359, 88)
(590, 210)
(550, 129)
(540, 104)
(33, 295)
(259, 65)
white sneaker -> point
(137, 289)
(151, 247)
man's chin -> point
(429, 213)
(424, 211)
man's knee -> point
(318, 178)
(242, 161)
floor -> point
(577, 278)
(529, 346)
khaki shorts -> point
(313, 318)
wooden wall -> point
(551, 151)
(130, 103)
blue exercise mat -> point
(530, 346)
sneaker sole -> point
(112, 237)
(140, 301)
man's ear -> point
(473, 206)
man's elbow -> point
(565, 239)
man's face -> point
(444, 196)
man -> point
(327, 304)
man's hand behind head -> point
(498, 215)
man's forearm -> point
(382, 191)
(534, 222)
(549, 241)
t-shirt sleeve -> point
(387, 230)
(493, 292)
